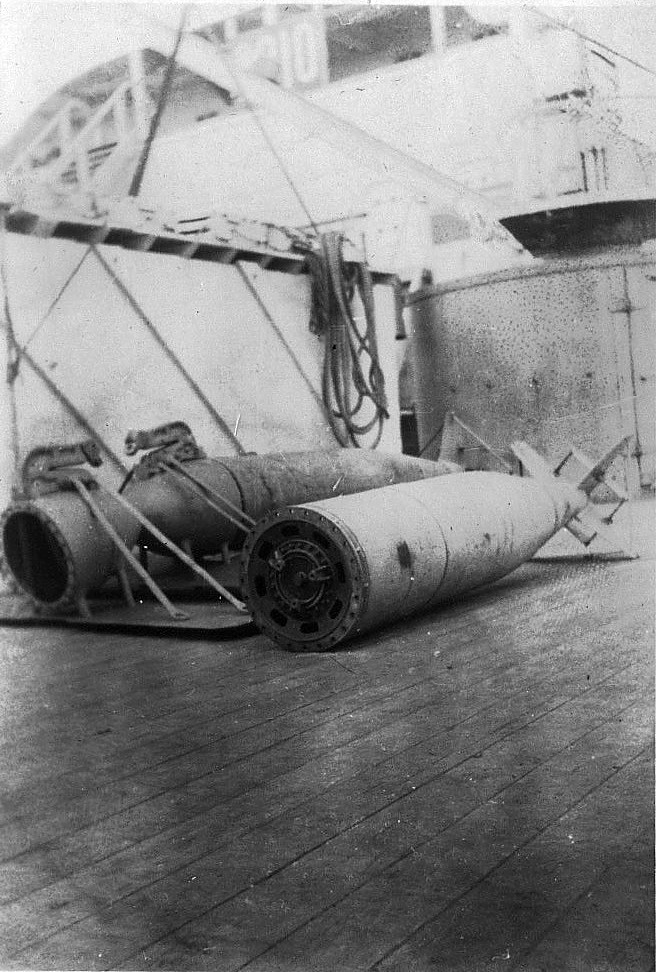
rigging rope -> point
(355, 403)
(165, 90)
(279, 334)
(170, 354)
(353, 392)
(68, 405)
(255, 116)
(591, 40)
(62, 290)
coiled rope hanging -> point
(356, 406)
(353, 384)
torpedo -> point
(317, 574)
(67, 535)
(247, 487)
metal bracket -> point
(127, 555)
(179, 553)
(50, 469)
(175, 440)
(457, 438)
(585, 464)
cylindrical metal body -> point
(316, 574)
(257, 484)
(55, 549)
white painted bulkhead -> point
(99, 353)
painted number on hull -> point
(293, 51)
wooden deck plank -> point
(532, 894)
(169, 770)
(244, 812)
(168, 661)
(184, 804)
(121, 676)
(608, 927)
(123, 751)
(259, 848)
(416, 820)
(431, 879)
(258, 825)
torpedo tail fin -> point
(597, 474)
(587, 525)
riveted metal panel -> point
(543, 354)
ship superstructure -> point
(518, 115)
(511, 102)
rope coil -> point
(353, 392)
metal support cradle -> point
(157, 592)
(180, 554)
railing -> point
(65, 158)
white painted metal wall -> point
(98, 352)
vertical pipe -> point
(627, 311)
(9, 412)
(615, 295)
(428, 347)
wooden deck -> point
(470, 790)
